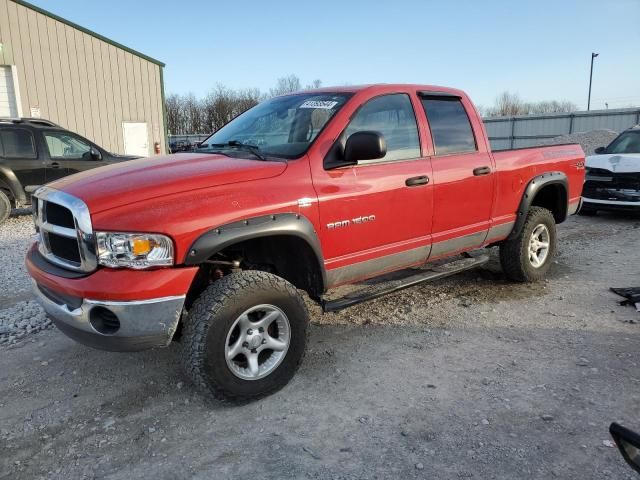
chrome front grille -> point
(64, 227)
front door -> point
(463, 177)
(376, 216)
(68, 154)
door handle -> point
(416, 181)
(55, 165)
(481, 171)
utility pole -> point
(593, 55)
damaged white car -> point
(612, 179)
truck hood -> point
(125, 183)
(619, 163)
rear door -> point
(376, 216)
(19, 152)
(463, 175)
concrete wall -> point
(78, 79)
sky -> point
(539, 49)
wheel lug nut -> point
(245, 344)
(249, 332)
(264, 341)
(261, 329)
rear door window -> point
(17, 143)
(450, 126)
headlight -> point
(134, 250)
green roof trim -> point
(88, 32)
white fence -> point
(528, 130)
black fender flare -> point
(536, 184)
(293, 224)
(8, 178)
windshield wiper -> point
(254, 149)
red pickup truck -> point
(303, 192)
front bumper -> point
(140, 309)
(134, 325)
(610, 205)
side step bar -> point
(377, 291)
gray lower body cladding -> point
(109, 325)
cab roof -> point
(385, 88)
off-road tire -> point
(5, 207)
(514, 253)
(212, 315)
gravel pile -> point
(589, 140)
(20, 320)
(15, 239)
(17, 318)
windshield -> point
(280, 127)
(627, 142)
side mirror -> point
(95, 154)
(600, 150)
(365, 145)
(628, 443)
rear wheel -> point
(5, 206)
(245, 336)
(527, 258)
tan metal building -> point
(55, 69)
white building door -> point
(136, 138)
(8, 102)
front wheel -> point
(245, 336)
(527, 258)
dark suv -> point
(34, 151)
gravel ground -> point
(20, 320)
(19, 314)
(15, 238)
(470, 377)
(589, 140)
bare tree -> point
(315, 84)
(509, 104)
(218, 108)
(188, 115)
(246, 99)
(284, 85)
(173, 106)
(552, 106)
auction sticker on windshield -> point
(324, 104)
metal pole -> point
(571, 123)
(593, 55)
(513, 129)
